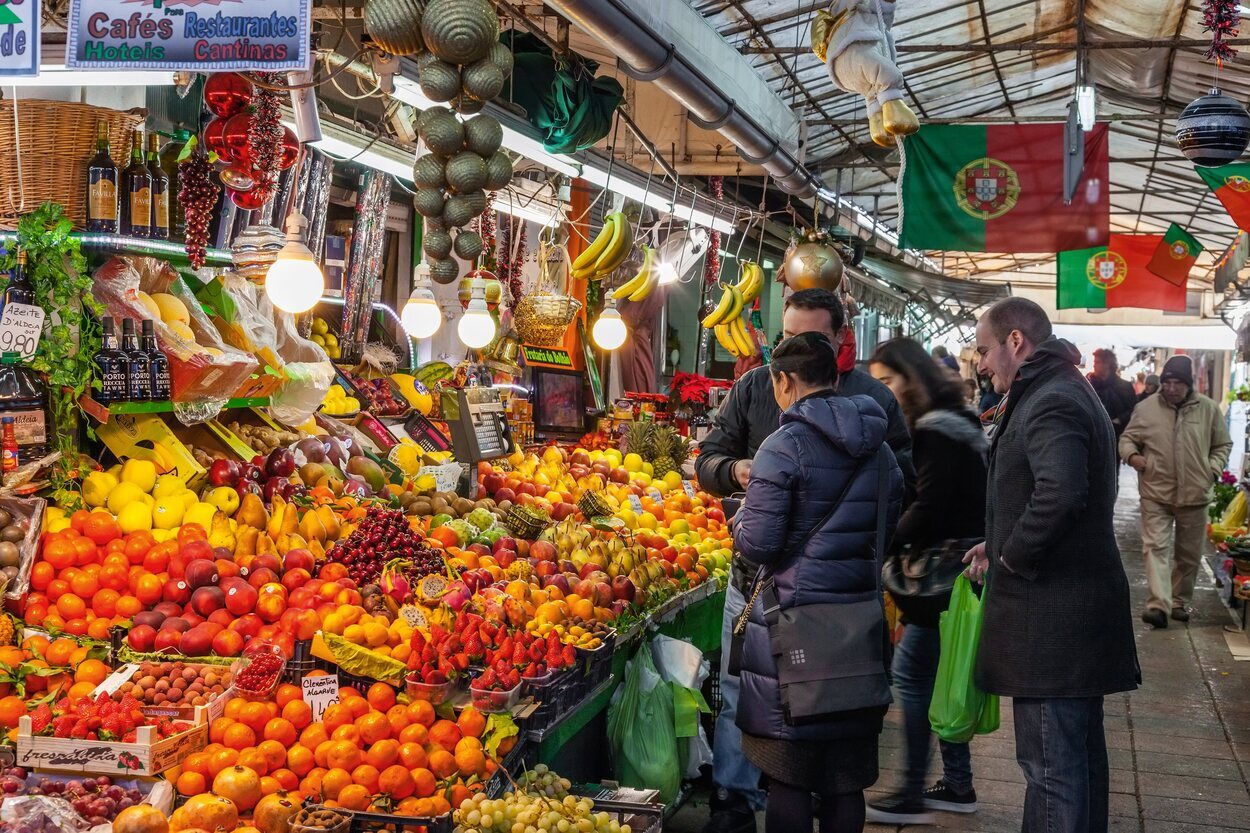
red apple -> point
(618, 476)
(504, 543)
(623, 589)
(580, 457)
(505, 557)
(585, 589)
(543, 551)
(480, 549)
(545, 568)
(602, 594)
(526, 488)
(587, 570)
(492, 482)
(577, 472)
(562, 510)
(557, 580)
(224, 473)
(602, 467)
(507, 493)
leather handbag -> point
(921, 582)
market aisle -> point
(1179, 746)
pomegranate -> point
(206, 812)
(240, 785)
(141, 818)
(274, 812)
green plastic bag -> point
(641, 730)
(959, 709)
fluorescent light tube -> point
(58, 75)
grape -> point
(198, 196)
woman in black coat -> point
(949, 449)
(818, 550)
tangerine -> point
(313, 735)
(298, 713)
(191, 783)
(71, 606)
(287, 693)
(355, 797)
(396, 781)
(336, 715)
(286, 779)
(412, 755)
(333, 782)
(41, 574)
(443, 763)
(366, 775)
(382, 753)
(423, 782)
(373, 727)
(196, 762)
(12, 708)
(445, 733)
(414, 733)
(91, 671)
(275, 753)
(471, 722)
(299, 759)
(253, 759)
(255, 716)
(59, 551)
(269, 785)
(128, 606)
(104, 603)
(282, 731)
(381, 696)
(421, 713)
(223, 758)
(343, 754)
(239, 736)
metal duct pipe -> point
(644, 56)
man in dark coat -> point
(746, 418)
(1058, 632)
(1116, 395)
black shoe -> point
(899, 809)
(1155, 618)
(730, 814)
(1180, 614)
(942, 797)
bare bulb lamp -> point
(294, 282)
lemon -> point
(122, 495)
(336, 392)
(200, 513)
(351, 404)
(647, 521)
(97, 488)
(632, 463)
(168, 512)
(673, 479)
(141, 473)
(58, 525)
(134, 517)
(319, 326)
(168, 485)
(145, 301)
(188, 498)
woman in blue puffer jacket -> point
(824, 441)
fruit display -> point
(324, 337)
(338, 403)
(156, 684)
(541, 801)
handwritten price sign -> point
(20, 328)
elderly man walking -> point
(1178, 443)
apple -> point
(601, 467)
(248, 487)
(526, 488)
(620, 607)
(623, 589)
(545, 568)
(618, 476)
(141, 638)
(558, 581)
(152, 618)
(224, 473)
(577, 472)
(602, 594)
(299, 558)
(191, 618)
(254, 472)
(205, 600)
(588, 570)
(240, 596)
(505, 495)
(480, 549)
(272, 486)
(505, 557)
(543, 551)
(280, 463)
(563, 510)
(492, 482)
(580, 457)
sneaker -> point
(1155, 618)
(899, 809)
(942, 797)
(729, 814)
(1180, 614)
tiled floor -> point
(1179, 746)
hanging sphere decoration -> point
(227, 93)
(249, 200)
(813, 265)
(1213, 129)
(215, 137)
(236, 135)
(289, 149)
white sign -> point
(20, 327)
(320, 693)
(689, 487)
(19, 37)
(635, 503)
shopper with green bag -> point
(959, 709)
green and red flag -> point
(999, 188)
(1231, 183)
(1175, 255)
(1116, 275)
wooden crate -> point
(191, 714)
(147, 756)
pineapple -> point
(640, 439)
(6, 630)
(671, 450)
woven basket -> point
(57, 141)
(542, 316)
(523, 525)
(594, 505)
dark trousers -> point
(1061, 747)
(915, 671)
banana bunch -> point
(733, 336)
(750, 281)
(607, 251)
(641, 284)
(726, 322)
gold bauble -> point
(813, 266)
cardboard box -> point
(147, 437)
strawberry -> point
(519, 655)
(129, 737)
(62, 726)
(536, 651)
(569, 654)
(40, 718)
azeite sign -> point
(193, 35)
(19, 37)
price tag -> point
(20, 328)
(689, 487)
(655, 494)
(635, 503)
(320, 693)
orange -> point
(223, 759)
(421, 712)
(424, 783)
(59, 552)
(269, 785)
(99, 628)
(366, 775)
(396, 781)
(196, 762)
(217, 729)
(57, 588)
(412, 755)
(336, 715)
(254, 759)
(373, 727)
(397, 716)
(77, 627)
(274, 752)
(91, 671)
(283, 731)
(443, 763)
(408, 807)
(358, 705)
(128, 606)
(148, 589)
(354, 797)
(299, 759)
(80, 690)
(298, 713)
(11, 709)
(381, 696)
(343, 754)
(414, 733)
(286, 779)
(334, 781)
(71, 606)
(101, 527)
(41, 574)
(446, 734)
(382, 753)
(322, 752)
(85, 585)
(439, 805)
(471, 723)
(35, 613)
(313, 735)
(310, 785)
(239, 736)
(233, 706)
(254, 715)
(104, 603)
(348, 733)
(137, 545)
(190, 783)
(286, 693)
(470, 758)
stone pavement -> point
(1179, 747)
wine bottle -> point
(19, 290)
(102, 185)
(169, 162)
(158, 364)
(160, 190)
(138, 365)
(110, 363)
(136, 214)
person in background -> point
(1149, 388)
(746, 418)
(943, 357)
(972, 392)
(1116, 395)
(1058, 632)
(949, 450)
(989, 397)
(810, 519)
(1179, 445)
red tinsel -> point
(1221, 18)
(266, 137)
(711, 264)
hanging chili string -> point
(711, 264)
(266, 137)
(486, 227)
(1221, 18)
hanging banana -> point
(640, 285)
(738, 332)
(750, 281)
(730, 306)
(607, 251)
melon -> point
(171, 308)
(149, 306)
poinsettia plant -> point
(691, 388)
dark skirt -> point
(825, 767)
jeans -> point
(915, 670)
(1062, 750)
(731, 770)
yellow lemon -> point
(97, 488)
(141, 473)
(185, 333)
(188, 498)
(168, 485)
(200, 513)
(134, 517)
(57, 525)
(122, 496)
(673, 479)
(168, 512)
(647, 521)
(648, 469)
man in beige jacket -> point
(1178, 443)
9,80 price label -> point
(20, 328)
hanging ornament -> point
(227, 93)
(1221, 18)
(238, 178)
(813, 264)
(197, 195)
(236, 136)
(711, 263)
(290, 149)
(215, 137)
(249, 200)
(1213, 130)
(266, 137)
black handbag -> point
(920, 582)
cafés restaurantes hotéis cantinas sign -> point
(195, 35)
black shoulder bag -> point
(831, 658)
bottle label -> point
(141, 208)
(160, 210)
(113, 385)
(29, 427)
(8, 462)
(160, 381)
(103, 197)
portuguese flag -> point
(999, 188)
(1116, 275)
(1175, 255)
(1231, 183)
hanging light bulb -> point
(609, 331)
(421, 316)
(476, 328)
(294, 282)
(668, 273)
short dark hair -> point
(820, 299)
(810, 356)
(1019, 314)
(1108, 356)
(908, 359)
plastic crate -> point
(363, 822)
(550, 696)
(523, 756)
(596, 664)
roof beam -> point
(974, 118)
(1026, 46)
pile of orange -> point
(365, 749)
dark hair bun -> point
(810, 356)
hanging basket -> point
(542, 316)
(54, 131)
